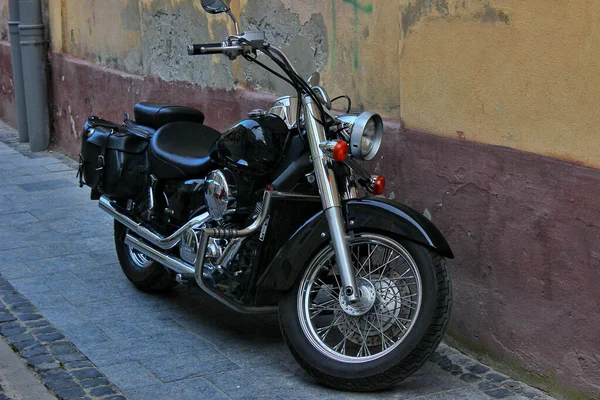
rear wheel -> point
(145, 273)
(387, 335)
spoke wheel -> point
(391, 294)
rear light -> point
(378, 185)
(340, 151)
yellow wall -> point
(522, 74)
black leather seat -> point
(155, 115)
(181, 149)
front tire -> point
(401, 318)
(146, 274)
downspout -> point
(17, 67)
(33, 53)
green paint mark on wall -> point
(357, 7)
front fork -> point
(330, 198)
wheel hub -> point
(368, 294)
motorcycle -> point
(269, 217)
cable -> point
(344, 97)
(247, 57)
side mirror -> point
(215, 6)
(314, 79)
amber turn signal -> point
(340, 151)
(378, 185)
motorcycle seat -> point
(154, 115)
(181, 149)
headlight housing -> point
(366, 134)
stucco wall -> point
(519, 74)
(505, 72)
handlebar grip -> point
(206, 48)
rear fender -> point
(373, 214)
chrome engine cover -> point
(188, 247)
(220, 193)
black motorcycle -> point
(268, 217)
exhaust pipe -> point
(169, 261)
(156, 239)
(181, 267)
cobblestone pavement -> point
(56, 250)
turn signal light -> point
(378, 185)
(340, 151)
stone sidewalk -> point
(56, 250)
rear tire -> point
(147, 275)
(368, 359)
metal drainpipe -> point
(17, 66)
(33, 53)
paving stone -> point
(13, 331)
(86, 373)
(70, 393)
(36, 324)
(70, 357)
(23, 337)
(5, 316)
(9, 325)
(64, 350)
(188, 365)
(102, 391)
(45, 185)
(61, 384)
(50, 337)
(495, 377)
(79, 364)
(470, 378)
(499, 393)
(30, 317)
(130, 375)
(118, 397)
(478, 369)
(37, 351)
(95, 382)
(45, 329)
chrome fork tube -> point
(330, 198)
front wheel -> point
(388, 334)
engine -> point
(220, 193)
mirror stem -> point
(237, 27)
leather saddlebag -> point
(113, 159)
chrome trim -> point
(171, 262)
(294, 196)
(286, 108)
(184, 269)
(156, 239)
(330, 199)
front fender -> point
(373, 214)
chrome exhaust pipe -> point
(168, 261)
(156, 239)
(181, 267)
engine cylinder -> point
(220, 192)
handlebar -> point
(205, 48)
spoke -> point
(404, 327)
(383, 335)
(364, 340)
(370, 253)
(325, 306)
(326, 329)
(334, 274)
(385, 264)
(342, 343)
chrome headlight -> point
(366, 134)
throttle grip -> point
(205, 48)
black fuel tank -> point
(252, 146)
